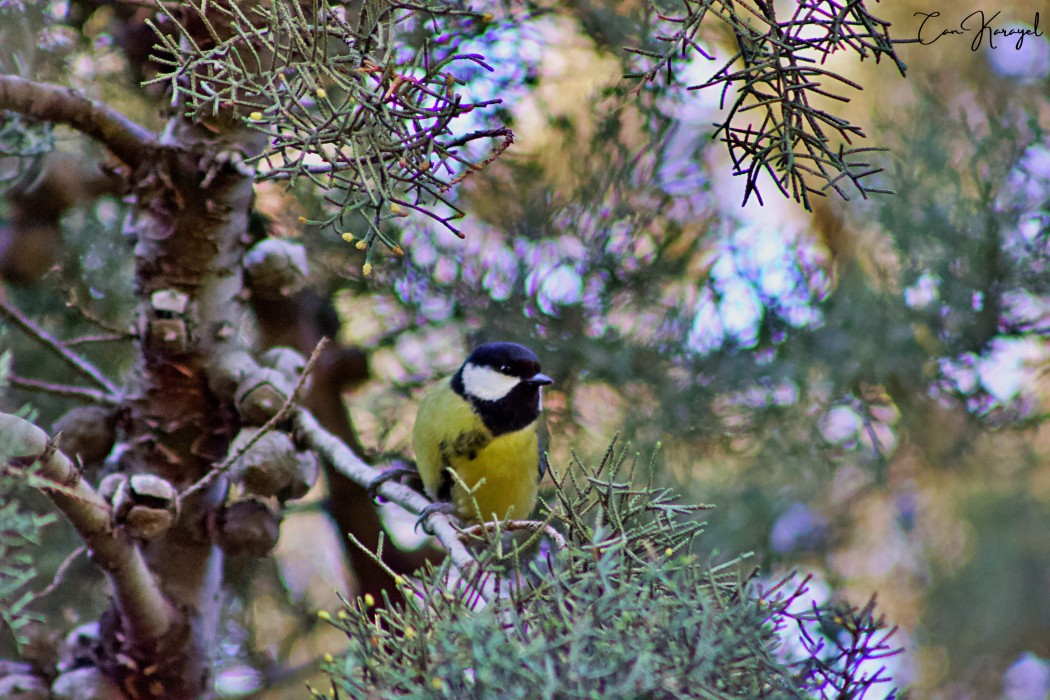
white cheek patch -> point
(486, 383)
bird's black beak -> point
(539, 380)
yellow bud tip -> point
(323, 615)
(399, 251)
(369, 599)
(396, 209)
(348, 237)
(328, 658)
(302, 219)
(367, 272)
(398, 581)
(437, 683)
(668, 551)
(322, 93)
(361, 245)
(410, 632)
(256, 116)
(488, 17)
(343, 615)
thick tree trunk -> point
(189, 221)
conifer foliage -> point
(612, 606)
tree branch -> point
(281, 415)
(481, 529)
(70, 392)
(349, 464)
(128, 141)
(146, 614)
(60, 574)
(8, 309)
(99, 338)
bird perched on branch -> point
(481, 422)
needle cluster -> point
(616, 607)
(344, 97)
(773, 84)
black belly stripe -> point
(444, 492)
(466, 444)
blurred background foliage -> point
(861, 390)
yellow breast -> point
(448, 433)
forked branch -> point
(24, 447)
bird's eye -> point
(504, 369)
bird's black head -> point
(502, 381)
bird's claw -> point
(387, 475)
(424, 515)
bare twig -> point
(60, 575)
(283, 413)
(70, 392)
(519, 525)
(99, 338)
(130, 142)
(88, 370)
(115, 332)
(149, 4)
(147, 616)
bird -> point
(482, 423)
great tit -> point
(481, 422)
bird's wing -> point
(543, 437)
(446, 425)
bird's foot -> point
(424, 516)
(386, 475)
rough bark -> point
(190, 203)
(190, 224)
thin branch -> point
(99, 338)
(70, 392)
(146, 614)
(60, 575)
(354, 468)
(269, 425)
(131, 143)
(73, 300)
(150, 4)
(8, 309)
(518, 525)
